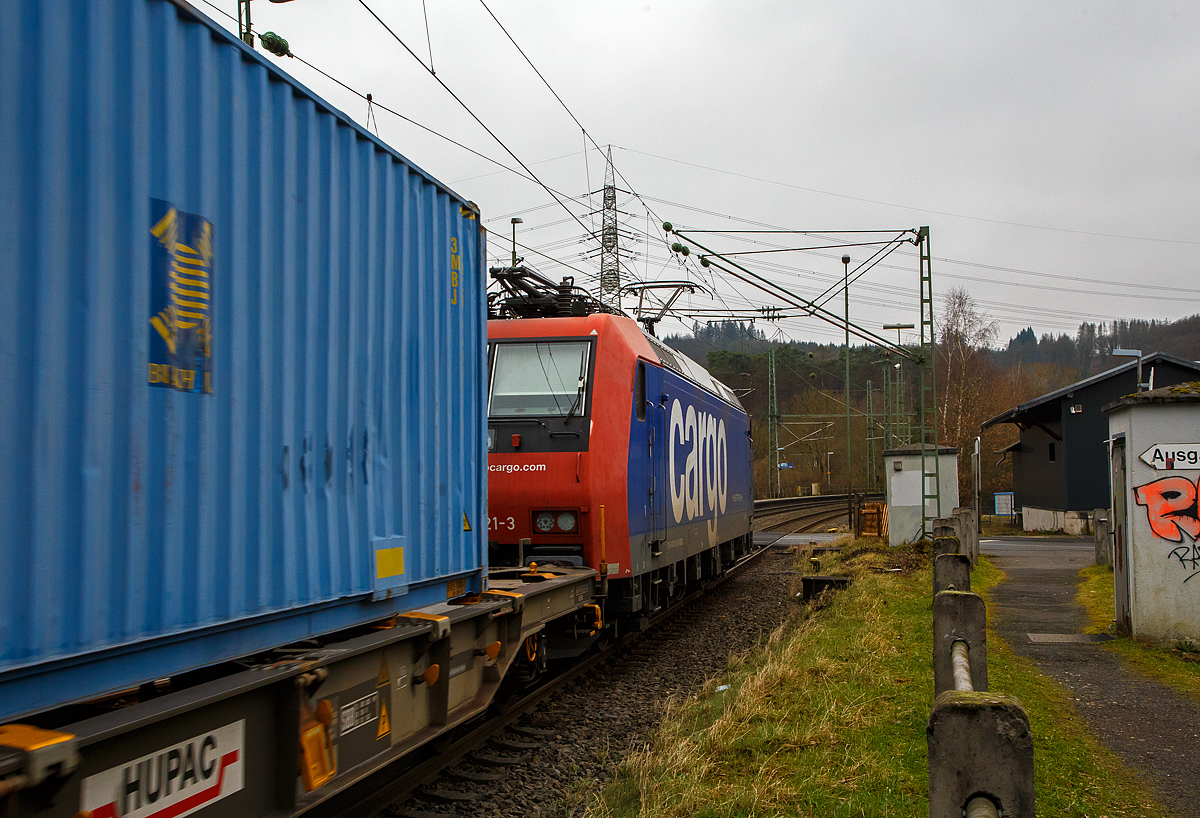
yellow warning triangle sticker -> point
(385, 725)
(384, 678)
(466, 523)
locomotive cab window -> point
(639, 391)
(540, 379)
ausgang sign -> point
(1172, 456)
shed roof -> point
(1179, 393)
(1011, 415)
(915, 448)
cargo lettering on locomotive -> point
(175, 781)
(699, 481)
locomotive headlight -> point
(566, 521)
(544, 521)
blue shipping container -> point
(241, 358)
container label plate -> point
(172, 782)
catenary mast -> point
(610, 265)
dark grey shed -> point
(1060, 461)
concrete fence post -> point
(1101, 532)
(980, 746)
(951, 572)
(956, 516)
(959, 616)
(968, 532)
(945, 539)
(944, 527)
(945, 545)
(971, 520)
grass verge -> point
(1002, 527)
(1176, 666)
(828, 719)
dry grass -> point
(829, 718)
(1177, 666)
(1095, 594)
(808, 726)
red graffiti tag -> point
(1171, 507)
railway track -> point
(452, 771)
(457, 774)
(798, 515)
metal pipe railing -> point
(960, 662)
(981, 807)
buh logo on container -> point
(172, 782)
(698, 466)
(181, 291)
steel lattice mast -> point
(610, 263)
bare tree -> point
(968, 384)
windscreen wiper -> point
(579, 392)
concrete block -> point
(979, 744)
(959, 615)
(1102, 534)
(951, 572)
(813, 585)
(946, 545)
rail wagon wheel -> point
(531, 661)
(678, 583)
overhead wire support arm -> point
(782, 232)
(816, 247)
(640, 288)
(794, 300)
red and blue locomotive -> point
(609, 450)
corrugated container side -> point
(241, 357)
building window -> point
(1051, 451)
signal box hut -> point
(1060, 461)
(902, 467)
(1155, 473)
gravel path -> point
(1155, 730)
(583, 732)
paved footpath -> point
(1155, 730)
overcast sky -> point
(1053, 148)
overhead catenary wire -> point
(837, 376)
(372, 104)
(958, 276)
(587, 137)
(528, 174)
(1011, 311)
(732, 232)
(428, 38)
(567, 108)
(779, 292)
(910, 207)
(1023, 312)
(553, 194)
(472, 114)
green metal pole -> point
(870, 439)
(849, 482)
(773, 420)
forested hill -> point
(978, 377)
(1079, 356)
(719, 335)
(1088, 352)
